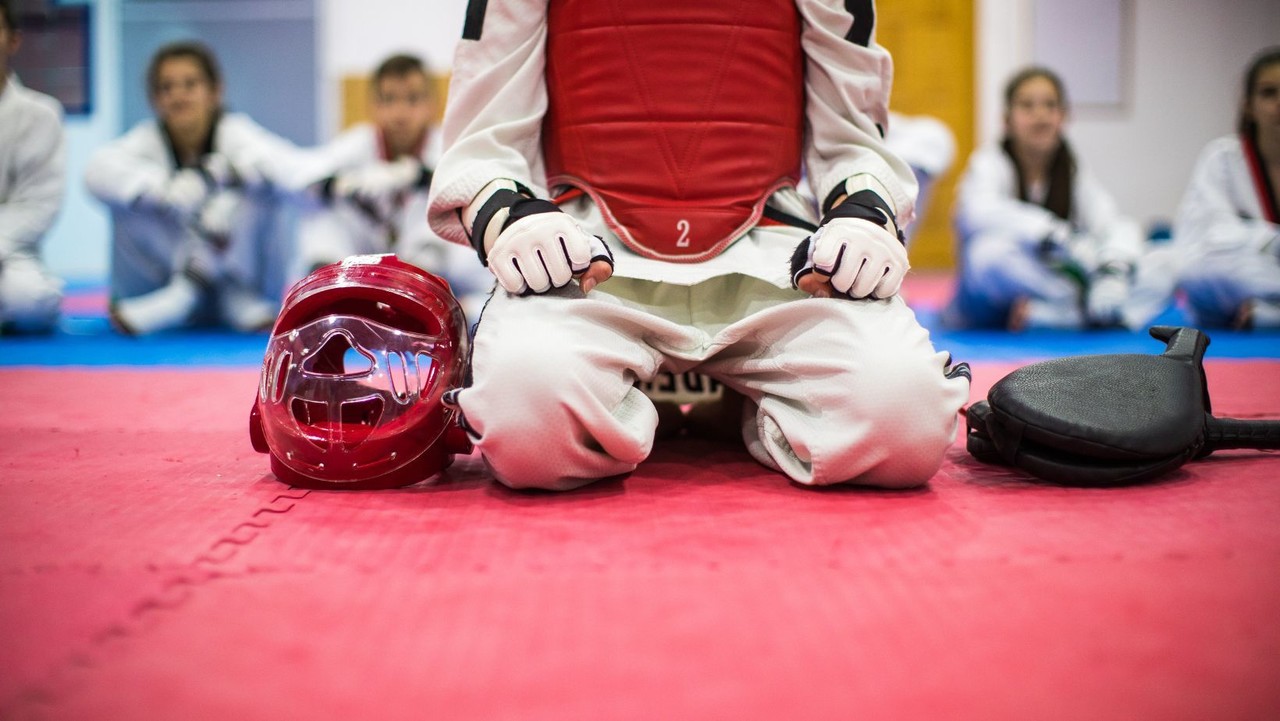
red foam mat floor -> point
(151, 568)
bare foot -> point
(1244, 316)
(1018, 315)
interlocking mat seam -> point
(168, 596)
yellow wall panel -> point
(356, 98)
(932, 46)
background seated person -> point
(32, 181)
(192, 195)
(1040, 241)
(367, 188)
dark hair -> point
(192, 49)
(7, 13)
(398, 66)
(1034, 71)
(1268, 57)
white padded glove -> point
(1066, 248)
(217, 218)
(530, 245)
(857, 247)
(226, 172)
(543, 251)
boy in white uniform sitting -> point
(367, 189)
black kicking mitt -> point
(1109, 420)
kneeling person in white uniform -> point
(32, 181)
(191, 194)
(366, 191)
(678, 242)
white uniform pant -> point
(1217, 283)
(30, 296)
(150, 247)
(837, 390)
(998, 269)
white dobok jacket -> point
(141, 162)
(1221, 210)
(987, 202)
(32, 167)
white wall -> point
(1185, 64)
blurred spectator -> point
(191, 193)
(1228, 224)
(32, 181)
(1041, 242)
(367, 188)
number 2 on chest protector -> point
(683, 227)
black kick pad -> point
(1106, 420)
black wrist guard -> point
(519, 203)
(863, 205)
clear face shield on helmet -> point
(353, 375)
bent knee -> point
(909, 422)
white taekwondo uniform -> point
(1231, 249)
(999, 244)
(332, 229)
(150, 244)
(837, 390)
(32, 183)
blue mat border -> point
(87, 340)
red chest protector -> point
(678, 118)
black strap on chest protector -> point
(1109, 420)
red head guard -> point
(354, 372)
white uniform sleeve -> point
(38, 182)
(1209, 216)
(847, 87)
(497, 98)
(251, 147)
(353, 148)
(130, 166)
(923, 142)
(987, 200)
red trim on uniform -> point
(569, 195)
(1261, 183)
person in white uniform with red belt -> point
(628, 173)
